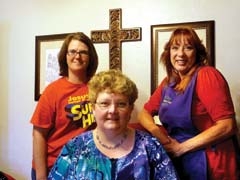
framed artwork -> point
(160, 34)
(46, 60)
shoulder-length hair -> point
(93, 57)
(192, 38)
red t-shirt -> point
(211, 102)
(64, 109)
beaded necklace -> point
(116, 145)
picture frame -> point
(46, 62)
(161, 33)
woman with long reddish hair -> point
(195, 107)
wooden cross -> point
(115, 36)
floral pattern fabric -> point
(81, 160)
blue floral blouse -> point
(81, 160)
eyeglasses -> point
(73, 53)
(105, 105)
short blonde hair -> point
(113, 81)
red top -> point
(64, 109)
(211, 102)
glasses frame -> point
(74, 53)
(108, 105)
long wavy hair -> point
(201, 55)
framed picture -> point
(160, 34)
(46, 61)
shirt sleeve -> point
(44, 113)
(213, 91)
(152, 105)
(64, 164)
(160, 162)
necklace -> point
(116, 145)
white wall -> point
(22, 20)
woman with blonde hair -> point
(113, 151)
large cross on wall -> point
(115, 35)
